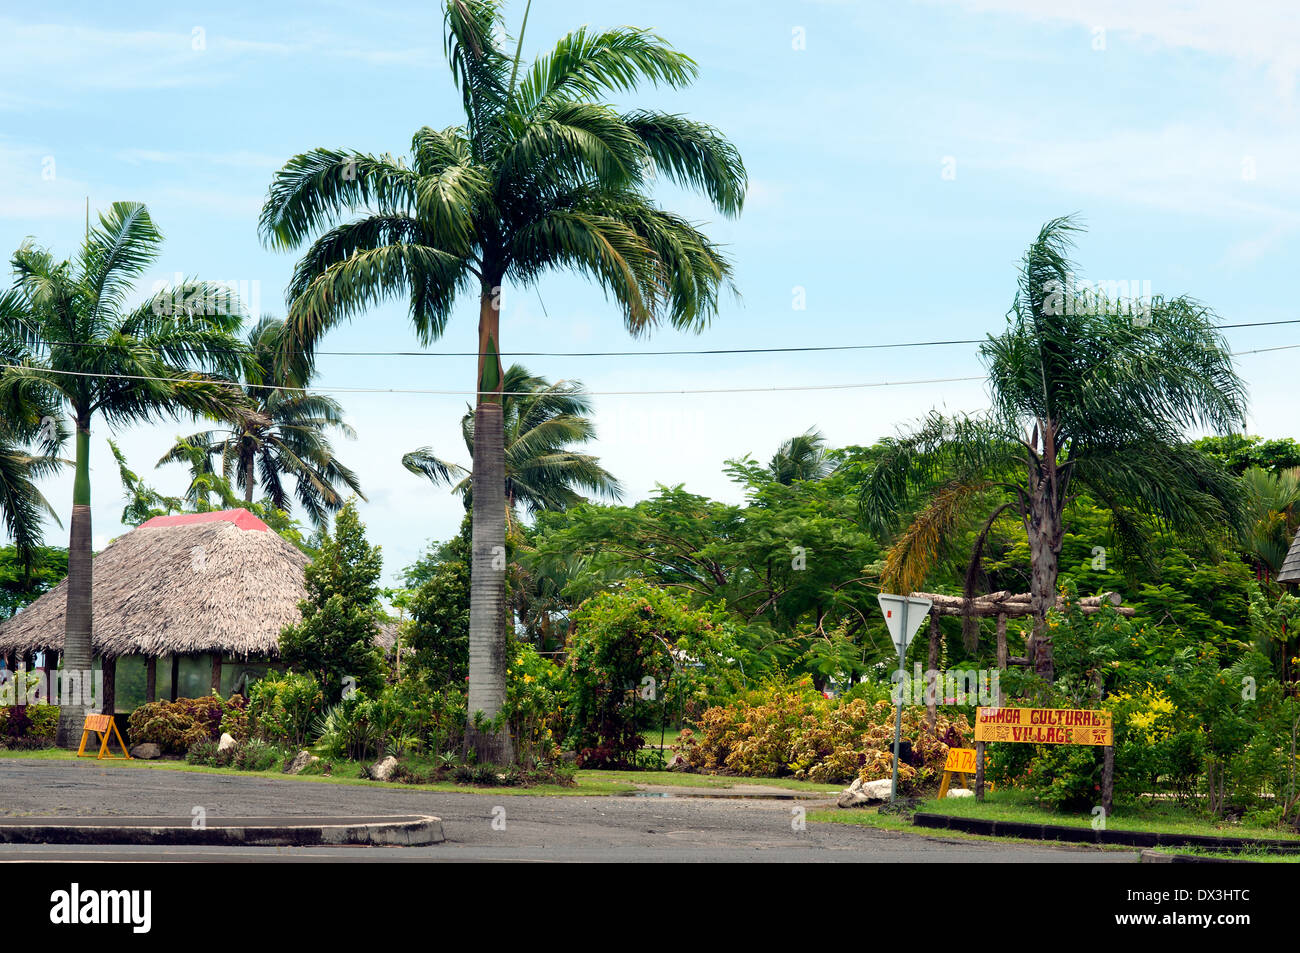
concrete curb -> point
(402, 830)
(1060, 832)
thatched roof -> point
(202, 582)
(1290, 571)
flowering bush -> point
(790, 729)
(176, 726)
(534, 689)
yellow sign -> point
(106, 728)
(1044, 726)
(960, 760)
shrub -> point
(176, 726)
(790, 729)
(29, 727)
(246, 755)
(636, 654)
(281, 709)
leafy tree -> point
(280, 436)
(1085, 394)
(335, 640)
(79, 344)
(23, 581)
(1240, 452)
(541, 421)
(542, 175)
(439, 629)
(792, 566)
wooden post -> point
(176, 674)
(216, 672)
(108, 667)
(1002, 654)
(979, 770)
(151, 679)
(931, 715)
(1108, 779)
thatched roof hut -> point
(1290, 571)
(218, 582)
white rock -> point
(383, 770)
(861, 793)
(960, 792)
(877, 790)
(227, 741)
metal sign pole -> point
(898, 720)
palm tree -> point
(27, 416)
(541, 175)
(540, 421)
(801, 458)
(282, 436)
(1083, 394)
(1272, 502)
(80, 344)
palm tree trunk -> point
(1045, 538)
(487, 608)
(247, 467)
(78, 618)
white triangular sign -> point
(892, 607)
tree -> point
(439, 629)
(801, 458)
(541, 175)
(1085, 392)
(283, 436)
(23, 581)
(1272, 503)
(540, 421)
(335, 642)
(81, 345)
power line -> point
(606, 393)
(675, 353)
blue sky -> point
(901, 155)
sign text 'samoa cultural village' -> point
(1044, 726)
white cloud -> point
(1263, 33)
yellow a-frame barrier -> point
(105, 727)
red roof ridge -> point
(241, 518)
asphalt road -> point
(479, 827)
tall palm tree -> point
(801, 458)
(542, 174)
(284, 436)
(1083, 394)
(79, 343)
(540, 421)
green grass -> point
(869, 817)
(671, 737)
(1159, 817)
(1257, 856)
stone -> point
(146, 751)
(960, 792)
(861, 793)
(227, 741)
(300, 761)
(383, 770)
